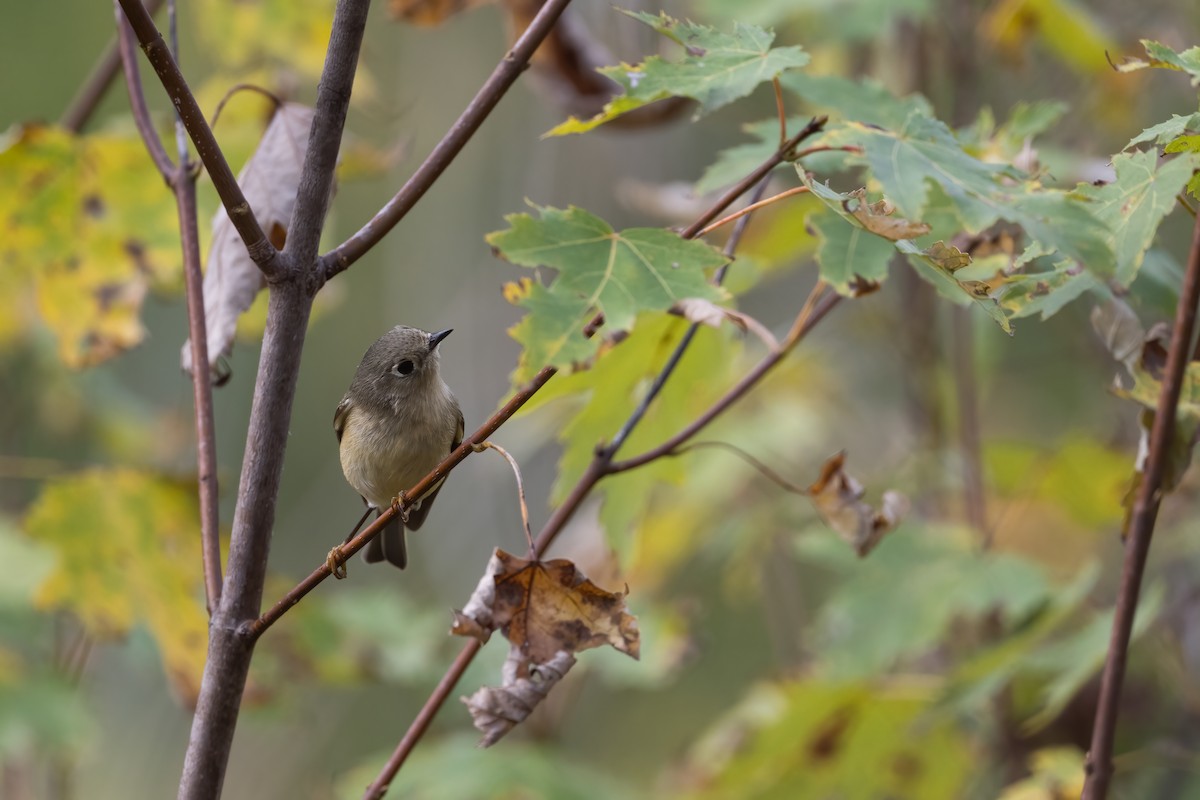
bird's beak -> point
(436, 338)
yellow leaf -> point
(128, 553)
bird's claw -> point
(336, 561)
(400, 504)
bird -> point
(396, 422)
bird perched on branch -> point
(397, 421)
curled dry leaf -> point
(837, 497)
(877, 218)
(497, 710)
(269, 181)
(706, 312)
(549, 611)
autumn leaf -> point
(269, 181)
(717, 68)
(837, 497)
(617, 273)
(548, 611)
(1162, 57)
(86, 230)
(128, 549)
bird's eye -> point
(405, 367)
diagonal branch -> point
(503, 76)
(1099, 766)
(600, 466)
(259, 247)
(137, 98)
(95, 86)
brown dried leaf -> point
(269, 181)
(497, 710)
(429, 12)
(877, 218)
(837, 497)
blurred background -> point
(775, 663)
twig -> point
(780, 110)
(137, 99)
(1188, 207)
(827, 148)
(182, 180)
(503, 76)
(963, 355)
(818, 305)
(766, 471)
(1099, 766)
(241, 215)
(84, 104)
(712, 226)
(741, 187)
(255, 629)
(597, 469)
(512, 462)
(243, 87)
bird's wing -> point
(416, 516)
(340, 416)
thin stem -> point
(597, 469)
(819, 304)
(741, 187)
(137, 99)
(1099, 766)
(970, 447)
(780, 110)
(712, 226)
(86, 100)
(202, 398)
(512, 462)
(503, 76)
(258, 246)
(766, 471)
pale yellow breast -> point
(381, 458)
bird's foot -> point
(401, 505)
(336, 561)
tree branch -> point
(596, 470)
(95, 86)
(258, 246)
(288, 309)
(1099, 766)
(183, 182)
(137, 98)
(503, 76)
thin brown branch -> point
(255, 629)
(1099, 765)
(202, 398)
(516, 468)
(712, 226)
(96, 85)
(137, 99)
(827, 148)
(503, 76)
(258, 246)
(784, 153)
(764, 469)
(596, 470)
(820, 302)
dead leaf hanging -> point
(838, 499)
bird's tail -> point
(388, 545)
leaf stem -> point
(512, 462)
(1099, 767)
(712, 226)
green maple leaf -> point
(1136, 203)
(617, 273)
(1166, 132)
(864, 101)
(717, 69)
(1046, 293)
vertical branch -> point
(1099, 766)
(967, 400)
(288, 310)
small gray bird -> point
(397, 421)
